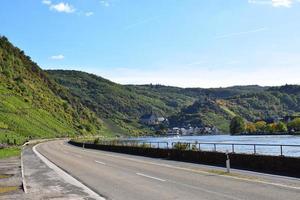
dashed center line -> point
(152, 177)
(99, 162)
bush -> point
(281, 127)
(144, 145)
(96, 140)
(260, 126)
(181, 146)
(294, 125)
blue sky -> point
(187, 43)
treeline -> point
(239, 125)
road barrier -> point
(263, 149)
(280, 165)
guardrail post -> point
(199, 147)
(227, 162)
(215, 147)
(281, 154)
(232, 148)
(254, 146)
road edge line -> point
(22, 174)
(66, 176)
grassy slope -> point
(34, 106)
(9, 152)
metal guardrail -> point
(234, 145)
(207, 146)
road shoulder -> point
(43, 182)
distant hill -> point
(270, 103)
(33, 105)
(125, 104)
(121, 106)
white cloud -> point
(47, 2)
(242, 33)
(58, 57)
(274, 3)
(105, 3)
(62, 7)
(88, 14)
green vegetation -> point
(39, 104)
(32, 105)
(123, 105)
(237, 125)
(9, 152)
(7, 189)
(294, 125)
(181, 146)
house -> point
(152, 119)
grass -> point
(6, 189)
(9, 152)
(3, 176)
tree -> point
(281, 127)
(260, 126)
(294, 125)
(237, 125)
(250, 127)
(271, 128)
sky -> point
(186, 43)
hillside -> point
(122, 105)
(33, 105)
(274, 102)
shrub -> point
(96, 140)
(294, 125)
(181, 146)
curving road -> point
(120, 176)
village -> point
(161, 125)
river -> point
(239, 141)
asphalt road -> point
(121, 176)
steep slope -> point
(120, 106)
(34, 106)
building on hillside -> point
(152, 119)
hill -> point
(123, 105)
(269, 104)
(33, 105)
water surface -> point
(228, 139)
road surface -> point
(121, 176)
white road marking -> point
(67, 177)
(99, 162)
(196, 171)
(152, 177)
